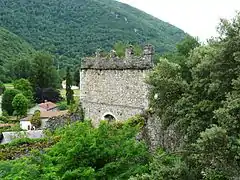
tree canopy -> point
(203, 106)
(7, 99)
(13, 49)
(84, 152)
(76, 29)
(20, 105)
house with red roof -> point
(46, 106)
(25, 123)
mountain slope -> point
(12, 49)
(78, 27)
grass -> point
(76, 92)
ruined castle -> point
(114, 88)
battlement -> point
(113, 62)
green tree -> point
(20, 105)
(7, 99)
(22, 68)
(25, 87)
(36, 119)
(187, 45)
(44, 75)
(205, 115)
(69, 91)
(83, 152)
(181, 56)
(2, 88)
(167, 87)
(76, 77)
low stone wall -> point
(60, 121)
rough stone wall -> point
(115, 86)
(156, 136)
(60, 121)
(120, 93)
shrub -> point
(3, 119)
(20, 105)
(25, 87)
(36, 119)
(7, 99)
(84, 152)
(62, 106)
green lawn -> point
(76, 92)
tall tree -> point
(44, 75)
(25, 87)
(69, 91)
(22, 69)
(76, 77)
(7, 99)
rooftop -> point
(46, 114)
(48, 105)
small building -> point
(25, 123)
(46, 106)
(114, 88)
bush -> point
(20, 105)
(36, 119)
(25, 87)
(62, 106)
(84, 152)
(7, 99)
(3, 119)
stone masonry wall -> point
(156, 136)
(120, 93)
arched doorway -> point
(109, 117)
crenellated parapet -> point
(112, 61)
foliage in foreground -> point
(22, 147)
(84, 152)
(199, 94)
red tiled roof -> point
(48, 105)
(49, 114)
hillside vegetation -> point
(76, 28)
(12, 49)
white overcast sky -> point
(196, 17)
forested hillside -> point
(12, 50)
(75, 28)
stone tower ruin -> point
(114, 88)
